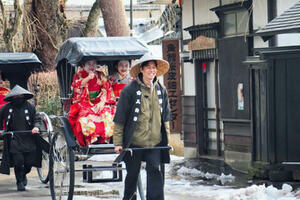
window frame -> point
(236, 21)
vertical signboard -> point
(172, 82)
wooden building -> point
(235, 116)
(201, 128)
(274, 72)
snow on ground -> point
(187, 184)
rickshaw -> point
(63, 150)
(17, 68)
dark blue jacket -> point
(125, 114)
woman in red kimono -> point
(121, 77)
(92, 110)
(3, 92)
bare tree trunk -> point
(93, 20)
(10, 32)
(62, 21)
(45, 28)
(115, 20)
(45, 12)
(30, 41)
(27, 6)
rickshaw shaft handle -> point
(10, 132)
(146, 148)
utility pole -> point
(131, 20)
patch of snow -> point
(176, 158)
(152, 34)
(184, 188)
(195, 173)
(225, 178)
(103, 157)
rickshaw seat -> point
(101, 149)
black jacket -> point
(125, 114)
(31, 120)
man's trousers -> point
(22, 164)
(155, 181)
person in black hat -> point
(22, 149)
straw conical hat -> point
(162, 65)
(16, 91)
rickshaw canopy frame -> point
(76, 50)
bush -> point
(45, 86)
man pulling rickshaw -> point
(142, 124)
(22, 145)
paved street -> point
(190, 186)
(39, 191)
(35, 189)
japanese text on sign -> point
(172, 82)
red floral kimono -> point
(3, 92)
(92, 111)
(118, 83)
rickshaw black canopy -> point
(17, 67)
(78, 49)
(106, 50)
(15, 61)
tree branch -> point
(9, 33)
(3, 19)
(40, 26)
(18, 18)
(93, 20)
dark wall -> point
(276, 97)
(189, 121)
(237, 124)
(287, 109)
(232, 52)
(237, 136)
(260, 117)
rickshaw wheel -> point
(61, 173)
(46, 128)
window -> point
(236, 23)
(229, 24)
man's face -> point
(149, 71)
